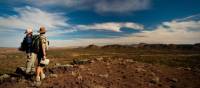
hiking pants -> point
(30, 62)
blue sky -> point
(83, 22)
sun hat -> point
(42, 30)
(28, 30)
(44, 62)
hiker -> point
(27, 47)
(41, 54)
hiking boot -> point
(37, 78)
(42, 76)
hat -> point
(29, 30)
(44, 62)
(42, 30)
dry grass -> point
(11, 58)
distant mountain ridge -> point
(148, 46)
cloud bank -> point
(101, 6)
(12, 27)
(185, 30)
(171, 32)
(56, 24)
(33, 17)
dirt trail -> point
(112, 73)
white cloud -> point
(111, 26)
(117, 6)
(32, 17)
(157, 36)
(183, 25)
(175, 32)
(12, 27)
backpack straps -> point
(35, 43)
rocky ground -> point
(109, 73)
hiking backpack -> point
(25, 44)
(36, 40)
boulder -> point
(174, 80)
(104, 75)
(80, 61)
(20, 70)
(155, 80)
(130, 60)
(4, 76)
(99, 58)
(53, 75)
(57, 64)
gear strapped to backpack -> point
(37, 41)
(26, 44)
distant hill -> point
(148, 46)
(92, 46)
(115, 46)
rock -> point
(123, 63)
(37, 84)
(139, 69)
(189, 69)
(13, 78)
(155, 80)
(92, 85)
(152, 74)
(197, 70)
(75, 54)
(92, 61)
(73, 73)
(80, 77)
(99, 58)
(80, 61)
(91, 73)
(23, 80)
(120, 59)
(53, 75)
(104, 75)
(108, 67)
(65, 65)
(81, 66)
(173, 86)
(98, 86)
(77, 75)
(88, 69)
(174, 80)
(130, 60)
(182, 68)
(4, 76)
(179, 68)
(57, 64)
(108, 64)
(20, 70)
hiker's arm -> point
(43, 48)
(44, 51)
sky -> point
(72, 23)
